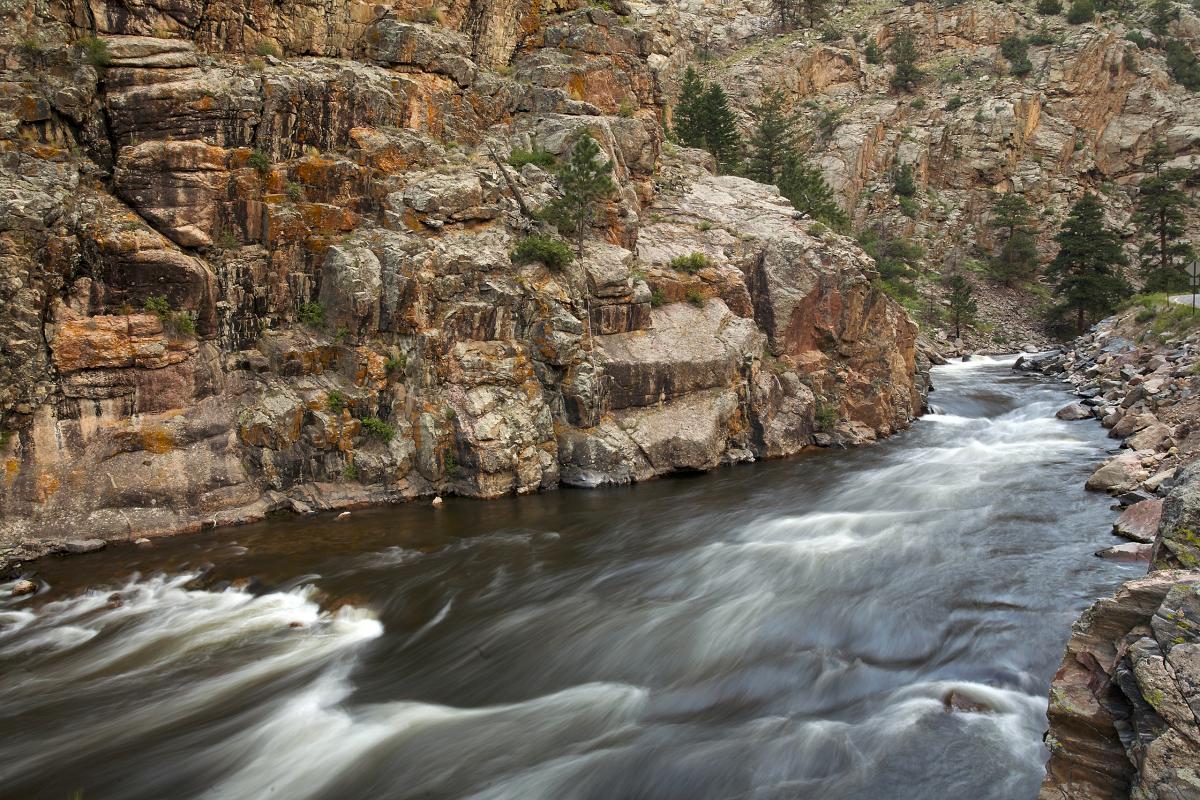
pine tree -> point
(1086, 269)
(785, 12)
(585, 180)
(1016, 258)
(805, 186)
(872, 54)
(1183, 65)
(688, 119)
(721, 137)
(814, 11)
(904, 180)
(772, 139)
(961, 297)
(1162, 14)
(904, 56)
(1159, 217)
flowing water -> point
(790, 629)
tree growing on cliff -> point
(721, 137)
(688, 127)
(1086, 271)
(805, 186)
(1160, 220)
(585, 180)
(704, 119)
(1011, 223)
(960, 296)
(1183, 65)
(1162, 14)
(772, 140)
(1081, 11)
(906, 76)
(814, 11)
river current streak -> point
(787, 629)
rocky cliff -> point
(1124, 704)
(1081, 119)
(257, 256)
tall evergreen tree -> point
(785, 13)
(961, 297)
(904, 55)
(814, 11)
(805, 186)
(585, 180)
(1183, 64)
(688, 118)
(1086, 270)
(721, 137)
(1159, 217)
(1162, 14)
(772, 139)
(1016, 258)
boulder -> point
(23, 587)
(1154, 436)
(80, 546)
(1139, 522)
(1074, 411)
(1130, 551)
(1119, 474)
(1178, 543)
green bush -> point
(157, 304)
(519, 158)
(657, 298)
(1049, 8)
(872, 53)
(694, 297)
(379, 429)
(396, 364)
(294, 191)
(825, 417)
(918, 104)
(830, 34)
(689, 263)
(954, 103)
(268, 49)
(94, 51)
(909, 207)
(1016, 50)
(1138, 38)
(312, 315)
(175, 323)
(554, 253)
(260, 161)
(336, 402)
(1081, 11)
(1042, 36)
(1182, 64)
(904, 182)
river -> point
(788, 629)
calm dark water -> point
(783, 630)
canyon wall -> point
(257, 256)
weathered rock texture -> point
(256, 256)
(1125, 702)
(1082, 119)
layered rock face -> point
(1082, 119)
(1125, 702)
(249, 267)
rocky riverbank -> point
(1125, 702)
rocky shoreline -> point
(1124, 705)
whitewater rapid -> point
(791, 629)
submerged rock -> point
(23, 587)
